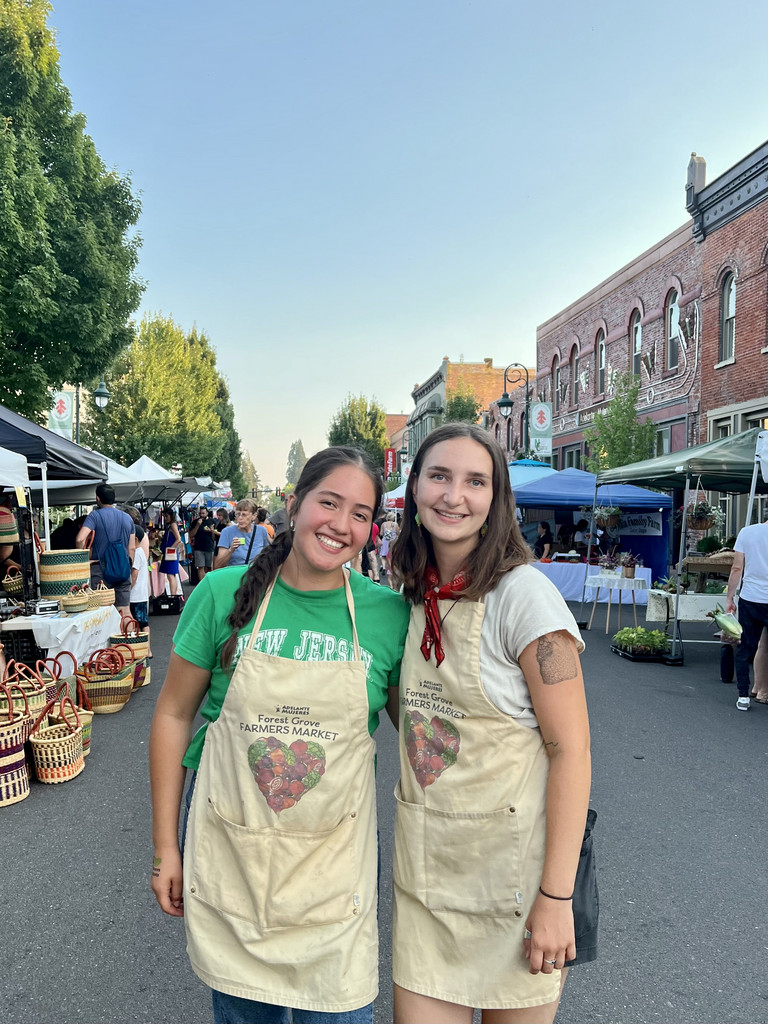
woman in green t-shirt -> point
(292, 659)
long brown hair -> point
(265, 567)
(500, 549)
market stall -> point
(80, 634)
(569, 578)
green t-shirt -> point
(299, 625)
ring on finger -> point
(551, 961)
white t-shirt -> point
(524, 606)
(140, 589)
(752, 541)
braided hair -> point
(265, 567)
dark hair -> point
(265, 567)
(581, 524)
(261, 515)
(170, 513)
(105, 494)
(500, 549)
(546, 526)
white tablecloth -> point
(82, 634)
(569, 580)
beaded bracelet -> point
(549, 896)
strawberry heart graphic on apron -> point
(432, 746)
(284, 774)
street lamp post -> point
(505, 403)
(100, 396)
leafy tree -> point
(296, 461)
(461, 404)
(67, 257)
(251, 481)
(163, 403)
(617, 437)
(362, 424)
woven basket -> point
(75, 601)
(28, 681)
(62, 570)
(84, 710)
(131, 636)
(49, 671)
(700, 522)
(13, 583)
(106, 594)
(14, 730)
(9, 528)
(57, 750)
(94, 601)
(107, 680)
(71, 679)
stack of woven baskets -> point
(107, 679)
(132, 638)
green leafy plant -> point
(637, 640)
(701, 510)
(715, 587)
(669, 584)
(709, 544)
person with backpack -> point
(113, 547)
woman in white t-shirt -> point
(140, 591)
(494, 751)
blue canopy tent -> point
(574, 488)
(524, 471)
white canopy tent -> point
(13, 469)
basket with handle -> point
(57, 750)
(49, 671)
(107, 680)
(106, 594)
(130, 634)
(139, 665)
(14, 730)
(60, 712)
(29, 682)
(13, 582)
(70, 679)
(74, 601)
(94, 601)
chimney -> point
(488, 361)
(696, 180)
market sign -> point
(60, 415)
(540, 428)
(390, 462)
(640, 524)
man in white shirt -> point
(751, 562)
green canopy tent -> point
(729, 465)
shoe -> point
(743, 703)
(762, 700)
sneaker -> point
(743, 703)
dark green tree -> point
(67, 251)
(461, 405)
(362, 424)
(296, 460)
(617, 436)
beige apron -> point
(470, 828)
(281, 856)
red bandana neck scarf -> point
(433, 594)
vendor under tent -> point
(728, 465)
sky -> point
(340, 192)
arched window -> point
(727, 318)
(672, 321)
(574, 376)
(498, 433)
(636, 343)
(556, 384)
(509, 434)
(600, 362)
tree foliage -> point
(251, 480)
(296, 461)
(164, 402)
(617, 436)
(362, 424)
(461, 405)
(67, 258)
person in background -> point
(235, 547)
(543, 546)
(581, 536)
(140, 590)
(750, 569)
(142, 536)
(202, 533)
(279, 521)
(387, 536)
(64, 537)
(222, 517)
(261, 519)
(110, 525)
(172, 548)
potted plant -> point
(608, 563)
(701, 515)
(639, 644)
(629, 563)
(605, 515)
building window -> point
(509, 434)
(600, 362)
(497, 433)
(574, 376)
(673, 324)
(663, 440)
(727, 318)
(721, 428)
(636, 340)
(572, 458)
(556, 383)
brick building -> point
(688, 316)
(484, 380)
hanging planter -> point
(700, 515)
(605, 515)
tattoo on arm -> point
(556, 659)
(156, 862)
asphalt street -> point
(679, 786)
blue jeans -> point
(233, 1010)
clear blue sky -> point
(341, 192)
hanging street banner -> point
(61, 414)
(390, 462)
(540, 428)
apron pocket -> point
(474, 858)
(277, 879)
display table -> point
(613, 581)
(80, 634)
(569, 580)
(693, 607)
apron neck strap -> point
(350, 606)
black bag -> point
(166, 604)
(586, 902)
